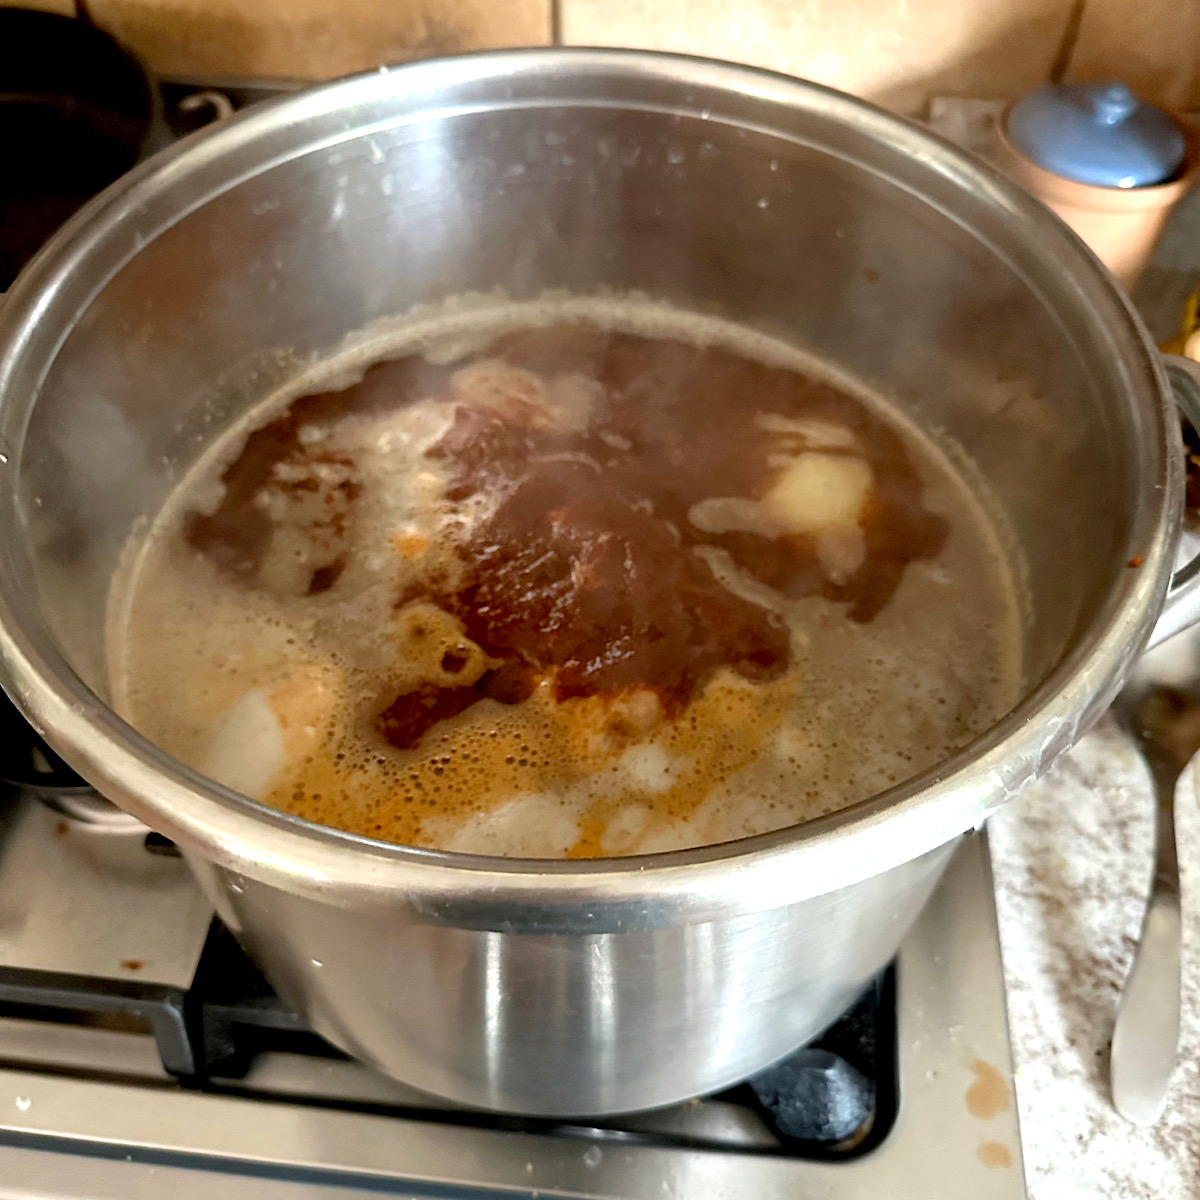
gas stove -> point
(143, 1055)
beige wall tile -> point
(1152, 45)
(310, 39)
(64, 8)
(897, 52)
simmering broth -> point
(591, 578)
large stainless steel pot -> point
(199, 281)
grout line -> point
(1066, 46)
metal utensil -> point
(1160, 708)
(211, 275)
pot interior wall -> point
(789, 223)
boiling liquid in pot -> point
(581, 579)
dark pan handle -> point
(1182, 606)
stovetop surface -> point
(113, 936)
(88, 1109)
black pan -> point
(77, 109)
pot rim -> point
(252, 840)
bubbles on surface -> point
(207, 668)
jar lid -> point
(1099, 133)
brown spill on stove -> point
(132, 964)
(995, 1154)
(988, 1095)
(61, 829)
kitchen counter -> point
(1073, 863)
(1072, 859)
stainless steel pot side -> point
(197, 282)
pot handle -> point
(1182, 606)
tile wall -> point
(897, 52)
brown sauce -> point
(585, 570)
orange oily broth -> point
(474, 763)
(862, 705)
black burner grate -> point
(835, 1098)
